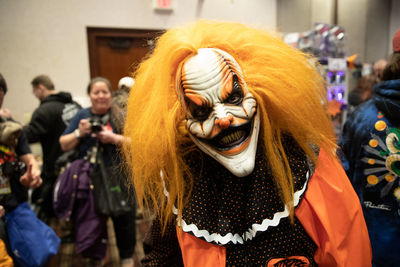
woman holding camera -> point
(88, 130)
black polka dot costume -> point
(246, 215)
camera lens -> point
(96, 124)
(96, 127)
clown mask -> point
(221, 114)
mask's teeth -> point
(232, 137)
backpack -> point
(32, 241)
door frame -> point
(94, 32)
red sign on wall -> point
(163, 4)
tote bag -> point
(110, 198)
(32, 241)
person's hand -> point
(2, 211)
(107, 136)
(31, 177)
(5, 113)
(85, 127)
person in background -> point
(47, 123)
(80, 135)
(363, 90)
(31, 178)
(379, 65)
(370, 144)
(120, 97)
(126, 83)
(118, 112)
(14, 148)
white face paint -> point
(221, 113)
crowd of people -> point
(230, 148)
(60, 125)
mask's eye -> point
(198, 112)
(201, 113)
(234, 99)
(236, 96)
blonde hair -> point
(289, 91)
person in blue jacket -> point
(370, 143)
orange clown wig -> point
(289, 91)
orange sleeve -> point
(331, 214)
(199, 253)
(5, 259)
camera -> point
(97, 122)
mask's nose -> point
(223, 119)
(225, 122)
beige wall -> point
(352, 15)
(49, 37)
(322, 11)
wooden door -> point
(115, 53)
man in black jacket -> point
(47, 124)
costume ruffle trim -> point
(236, 238)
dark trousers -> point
(125, 233)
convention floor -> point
(68, 258)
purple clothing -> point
(73, 199)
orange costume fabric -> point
(5, 259)
(329, 191)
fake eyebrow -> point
(196, 98)
(227, 82)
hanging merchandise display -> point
(328, 44)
